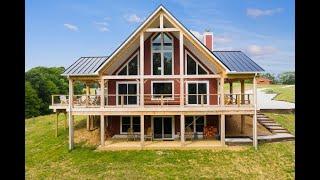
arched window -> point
(162, 54)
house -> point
(263, 80)
(164, 80)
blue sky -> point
(60, 31)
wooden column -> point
(242, 91)
(181, 70)
(231, 87)
(71, 141)
(242, 123)
(255, 140)
(102, 93)
(65, 120)
(102, 128)
(182, 128)
(141, 69)
(142, 130)
(222, 91)
(223, 129)
(87, 102)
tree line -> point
(283, 78)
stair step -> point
(263, 118)
(266, 122)
(275, 127)
(271, 124)
(280, 131)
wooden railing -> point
(153, 100)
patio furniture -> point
(63, 99)
(149, 134)
(130, 135)
(188, 133)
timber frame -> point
(103, 108)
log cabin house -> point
(164, 81)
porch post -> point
(181, 70)
(242, 102)
(242, 123)
(182, 128)
(71, 142)
(102, 93)
(231, 88)
(142, 130)
(222, 91)
(57, 123)
(222, 128)
(255, 141)
(102, 134)
(141, 69)
(87, 102)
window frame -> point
(117, 92)
(162, 51)
(195, 123)
(127, 65)
(196, 61)
(131, 124)
(187, 92)
(166, 98)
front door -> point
(163, 127)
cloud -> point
(221, 39)
(103, 29)
(252, 12)
(101, 23)
(71, 27)
(133, 18)
(256, 50)
(197, 34)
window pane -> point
(133, 66)
(202, 89)
(135, 120)
(189, 122)
(136, 128)
(156, 60)
(125, 128)
(192, 88)
(167, 63)
(122, 88)
(201, 70)
(167, 42)
(132, 99)
(162, 88)
(191, 66)
(126, 120)
(132, 88)
(123, 71)
(156, 42)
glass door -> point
(157, 127)
(167, 128)
(163, 127)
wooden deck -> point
(159, 145)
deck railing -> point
(125, 100)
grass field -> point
(48, 157)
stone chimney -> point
(208, 40)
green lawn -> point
(48, 157)
(286, 120)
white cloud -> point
(133, 18)
(71, 27)
(221, 39)
(197, 34)
(103, 29)
(252, 12)
(256, 50)
(101, 23)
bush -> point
(287, 77)
(32, 101)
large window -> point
(164, 88)
(132, 122)
(127, 93)
(197, 92)
(162, 54)
(131, 67)
(196, 123)
(193, 67)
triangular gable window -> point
(193, 67)
(131, 67)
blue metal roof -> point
(85, 66)
(237, 61)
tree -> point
(32, 101)
(287, 77)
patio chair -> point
(63, 99)
(130, 134)
(149, 134)
(188, 133)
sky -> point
(58, 32)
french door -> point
(163, 127)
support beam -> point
(223, 129)
(142, 130)
(65, 120)
(182, 128)
(102, 93)
(87, 102)
(222, 91)
(242, 91)
(254, 123)
(230, 89)
(181, 70)
(162, 30)
(161, 21)
(71, 141)
(102, 128)
(141, 69)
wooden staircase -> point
(270, 124)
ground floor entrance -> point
(163, 127)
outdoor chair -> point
(130, 135)
(188, 133)
(149, 134)
(63, 100)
